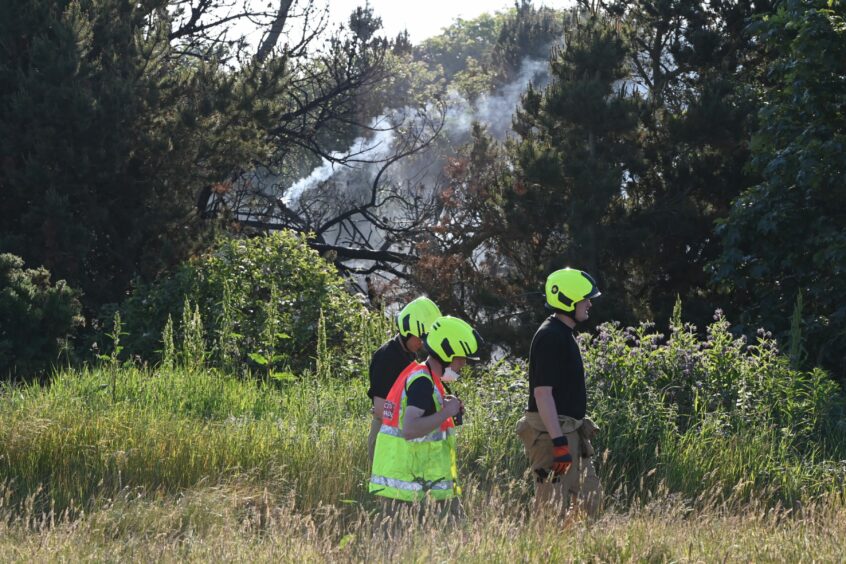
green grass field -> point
(181, 463)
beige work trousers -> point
(580, 484)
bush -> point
(261, 300)
(710, 418)
(37, 318)
(710, 414)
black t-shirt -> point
(387, 363)
(420, 394)
(555, 360)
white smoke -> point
(494, 111)
(374, 148)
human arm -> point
(420, 401)
(415, 424)
(561, 457)
(378, 406)
(548, 411)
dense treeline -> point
(682, 149)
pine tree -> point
(106, 134)
(695, 65)
(575, 142)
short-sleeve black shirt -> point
(421, 394)
(387, 363)
(555, 360)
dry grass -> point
(243, 522)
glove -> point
(561, 458)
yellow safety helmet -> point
(417, 317)
(566, 287)
(451, 337)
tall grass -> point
(217, 464)
(172, 429)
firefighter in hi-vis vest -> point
(555, 431)
(415, 448)
(388, 362)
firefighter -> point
(415, 450)
(413, 321)
(555, 431)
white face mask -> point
(450, 375)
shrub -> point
(710, 413)
(711, 416)
(260, 299)
(37, 318)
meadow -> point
(712, 448)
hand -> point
(452, 405)
(561, 457)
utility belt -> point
(531, 428)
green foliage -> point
(460, 42)
(168, 345)
(114, 114)
(37, 319)
(102, 127)
(476, 55)
(712, 420)
(785, 235)
(695, 65)
(260, 299)
(712, 414)
(193, 336)
(526, 32)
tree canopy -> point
(675, 149)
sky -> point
(422, 19)
(426, 18)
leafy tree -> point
(694, 64)
(106, 132)
(493, 46)
(37, 318)
(785, 235)
(114, 114)
(460, 42)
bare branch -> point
(272, 36)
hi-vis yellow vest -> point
(411, 470)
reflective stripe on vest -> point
(436, 435)
(411, 486)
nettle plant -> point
(717, 409)
(690, 410)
